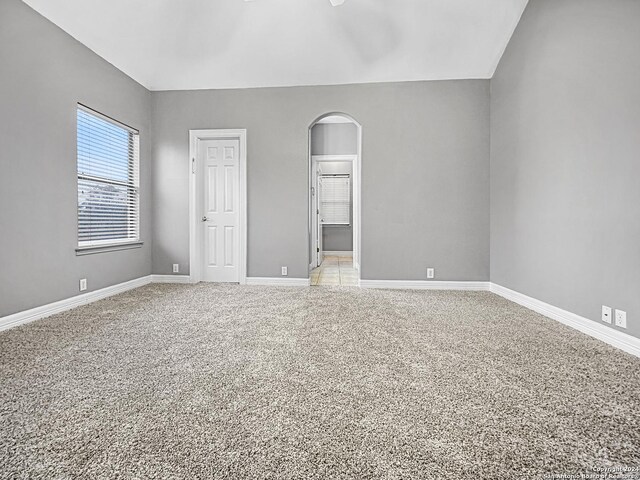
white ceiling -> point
(196, 44)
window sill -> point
(107, 248)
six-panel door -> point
(221, 217)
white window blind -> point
(336, 199)
(108, 181)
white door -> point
(319, 216)
(221, 210)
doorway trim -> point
(356, 185)
(353, 160)
(195, 173)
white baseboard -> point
(44, 311)
(281, 282)
(338, 253)
(618, 339)
(424, 285)
(170, 278)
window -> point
(108, 181)
(336, 199)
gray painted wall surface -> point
(338, 238)
(44, 72)
(425, 174)
(336, 139)
(565, 163)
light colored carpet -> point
(211, 381)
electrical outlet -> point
(621, 319)
(83, 284)
(606, 314)
(176, 268)
(285, 271)
(431, 273)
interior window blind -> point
(336, 199)
(108, 180)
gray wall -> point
(336, 139)
(44, 72)
(565, 162)
(425, 174)
(338, 238)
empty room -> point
(319, 239)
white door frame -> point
(356, 185)
(195, 172)
(353, 159)
(316, 229)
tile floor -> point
(335, 271)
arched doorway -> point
(335, 145)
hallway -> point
(335, 271)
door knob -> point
(204, 219)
